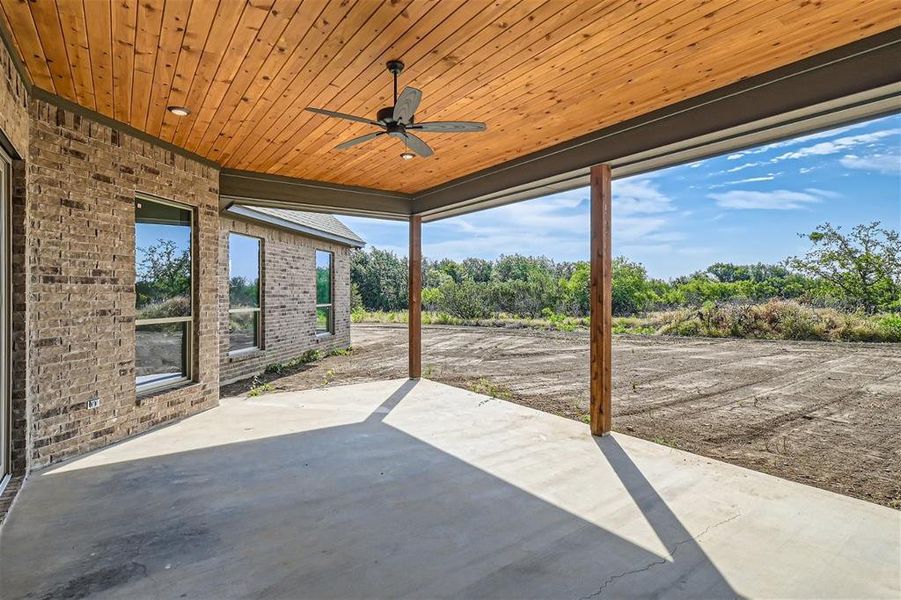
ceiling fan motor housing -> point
(386, 115)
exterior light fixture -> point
(407, 155)
(179, 111)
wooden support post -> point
(601, 300)
(414, 319)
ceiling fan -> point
(398, 121)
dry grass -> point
(773, 320)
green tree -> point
(434, 278)
(381, 278)
(164, 277)
(862, 267)
(516, 267)
(243, 292)
(575, 290)
(467, 300)
(451, 268)
(632, 292)
(477, 269)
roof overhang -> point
(276, 191)
(852, 83)
(856, 81)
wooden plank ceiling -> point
(537, 71)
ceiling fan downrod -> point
(395, 67)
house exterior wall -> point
(14, 123)
(72, 273)
(13, 104)
(80, 237)
(289, 298)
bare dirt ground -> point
(824, 414)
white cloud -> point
(639, 196)
(797, 141)
(556, 225)
(744, 166)
(887, 164)
(822, 193)
(773, 200)
(838, 145)
(740, 181)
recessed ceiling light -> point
(407, 155)
(179, 111)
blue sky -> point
(743, 207)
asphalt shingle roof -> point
(322, 222)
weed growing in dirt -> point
(259, 389)
(665, 442)
(305, 358)
(485, 386)
(329, 376)
(341, 351)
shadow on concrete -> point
(385, 408)
(684, 551)
(355, 511)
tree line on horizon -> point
(855, 271)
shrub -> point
(467, 300)
(173, 307)
(890, 326)
(781, 319)
(431, 298)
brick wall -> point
(289, 298)
(82, 180)
(20, 402)
(13, 104)
(14, 123)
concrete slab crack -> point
(661, 561)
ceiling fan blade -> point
(417, 145)
(450, 126)
(406, 105)
(358, 140)
(331, 113)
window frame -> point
(188, 374)
(330, 325)
(259, 309)
(6, 174)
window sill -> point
(244, 353)
(150, 393)
(324, 334)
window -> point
(5, 188)
(163, 273)
(325, 310)
(243, 292)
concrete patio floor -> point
(399, 488)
